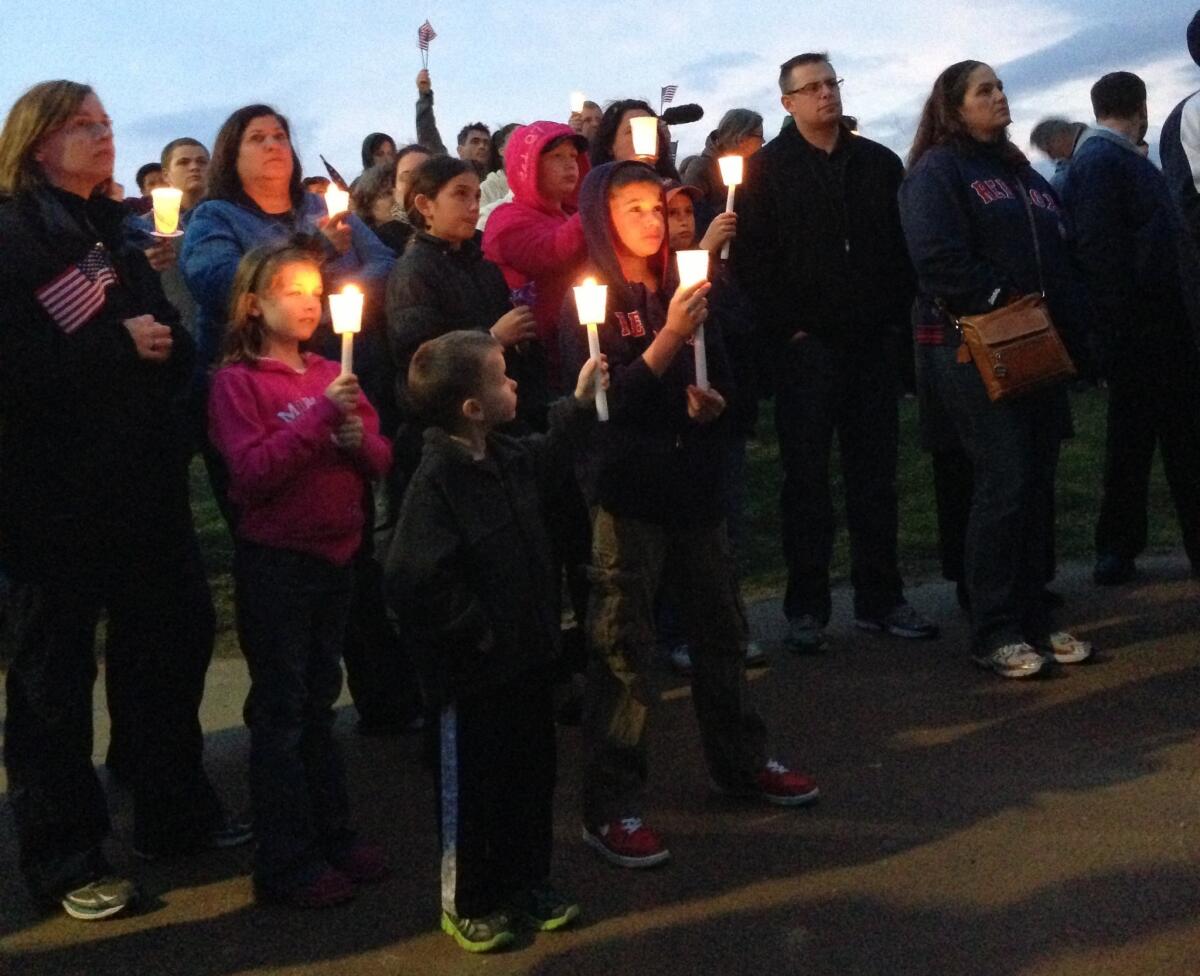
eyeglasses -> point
(814, 87)
(90, 128)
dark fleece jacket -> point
(650, 461)
(471, 573)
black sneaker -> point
(1113, 570)
(900, 621)
(99, 899)
(228, 832)
(544, 909)
(480, 934)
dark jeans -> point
(953, 486)
(822, 390)
(379, 670)
(291, 614)
(160, 632)
(1153, 398)
(1013, 450)
(495, 790)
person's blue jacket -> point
(971, 243)
(1131, 243)
(220, 232)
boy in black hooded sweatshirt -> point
(654, 480)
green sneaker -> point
(479, 934)
(544, 909)
(99, 899)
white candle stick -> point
(346, 310)
(166, 200)
(731, 175)
(336, 199)
(644, 132)
(577, 100)
(590, 301)
(693, 267)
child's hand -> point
(337, 232)
(515, 326)
(349, 435)
(344, 392)
(704, 406)
(721, 231)
(151, 339)
(585, 386)
(424, 83)
(688, 309)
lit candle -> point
(731, 176)
(577, 101)
(346, 308)
(693, 267)
(336, 199)
(644, 130)
(167, 201)
(590, 300)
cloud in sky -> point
(341, 72)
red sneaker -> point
(328, 886)
(361, 862)
(627, 842)
(781, 786)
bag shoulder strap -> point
(1037, 247)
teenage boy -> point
(655, 480)
(472, 577)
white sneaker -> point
(681, 659)
(1069, 649)
(1012, 661)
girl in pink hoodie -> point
(300, 442)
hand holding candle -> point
(346, 310)
(166, 201)
(693, 268)
(731, 176)
(591, 300)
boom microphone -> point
(682, 114)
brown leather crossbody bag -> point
(1016, 348)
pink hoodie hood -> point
(524, 151)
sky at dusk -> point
(339, 71)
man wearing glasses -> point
(821, 252)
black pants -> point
(1153, 399)
(291, 614)
(160, 632)
(495, 778)
(379, 670)
(820, 390)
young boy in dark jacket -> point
(654, 479)
(472, 577)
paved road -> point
(968, 826)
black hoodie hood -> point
(370, 144)
(601, 238)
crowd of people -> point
(428, 517)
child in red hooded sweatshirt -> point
(300, 441)
(537, 239)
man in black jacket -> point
(1138, 260)
(822, 255)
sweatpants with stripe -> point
(496, 774)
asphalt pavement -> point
(968, 825)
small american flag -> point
(668, 93)
(78, 293)
(425, 34)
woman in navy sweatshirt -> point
(971, 206)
